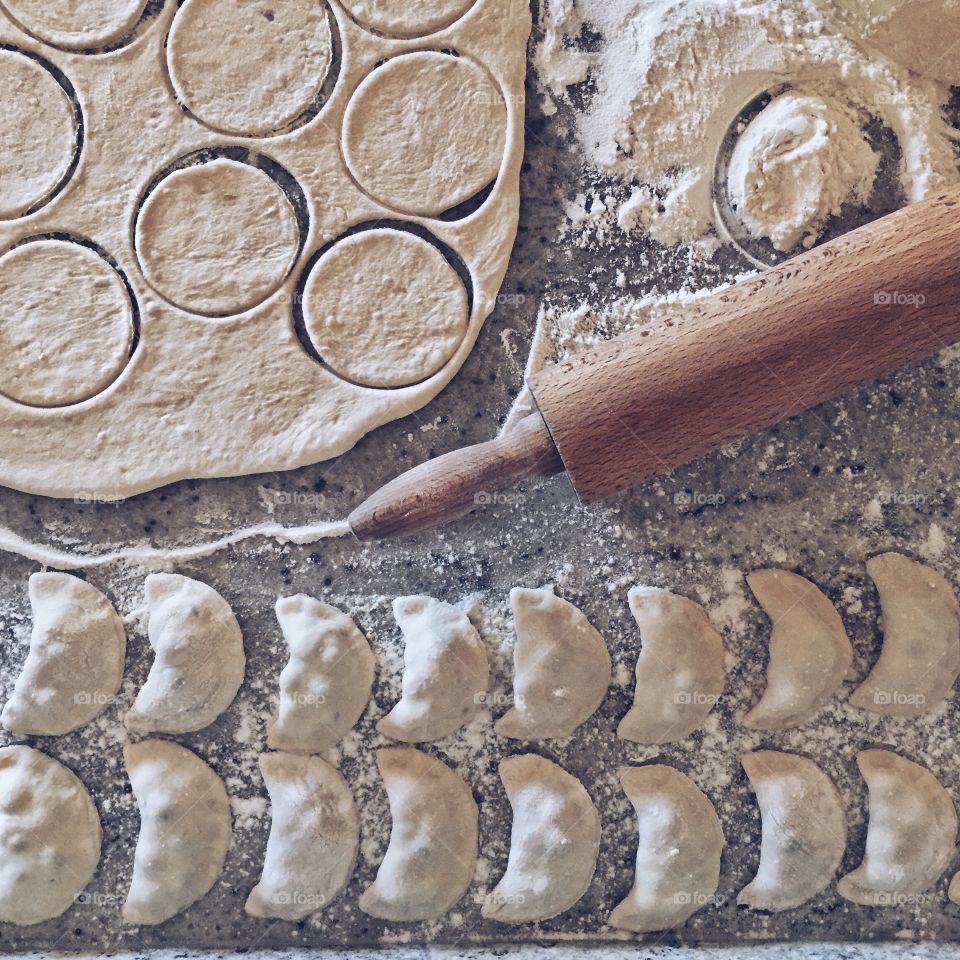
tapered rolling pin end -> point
(452, 485)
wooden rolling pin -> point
(854, 309)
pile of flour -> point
(796, 164)
(669, 77)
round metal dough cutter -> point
(886, 197)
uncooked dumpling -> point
(679, 670)
(75, 663)
(313, 840)
(554, 842)
(561, 668)
(678, 853)
(445, 672)
(49, 836)
(325, 685)
(809, 650)
(184, 830)
(911, 834)
(199, 657)
(920, 659)
(432, 853)
(804, 830)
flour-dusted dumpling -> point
(920, 659)
(911, 834)
(432, 853)
(678, 853)
(809, 650)
(199, 660)
(445, 672)
(313, 841)
(325, 685)
(75, 664)
(184, 830)
(679, 670)
(804, 830)
(561, 668)
(49, 836)
(554, 842)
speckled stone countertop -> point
(875, 471)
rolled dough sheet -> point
(243, 321)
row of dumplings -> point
(562, 671)
(562, 668)
(51, 837)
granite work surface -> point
(877, 470)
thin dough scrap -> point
(445, 671)
(803, 833)
(911, 833)
(810, 653)
(561, 668)
(75, 664)
(49, 836)
(325, 686)
(184, 830)
(680, 673)
(432, 853)
(920, 659)
(199, 660)
(554, 842)
(314, 838)
(680, 842)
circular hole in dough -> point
(66, 326)
(38, 135)
(385, 308)
(77, 24)
(280, 54)
(401, 18)
(217, 238)
(425, 132)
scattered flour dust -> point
(669, 77)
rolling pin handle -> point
(456, 483)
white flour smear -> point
(671, 76)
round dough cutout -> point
(425, 132)
(401, 18)
(217, 238)
(385, 308)
(280, 54)
(66, 325)
(77, 24)
(38, 136)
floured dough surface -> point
(66, 323)
(379, 328)
(77, 23)
(217, 238)
(425, 131)
(211, 172)
(400, 18)
(38, 136)
(279, 57)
